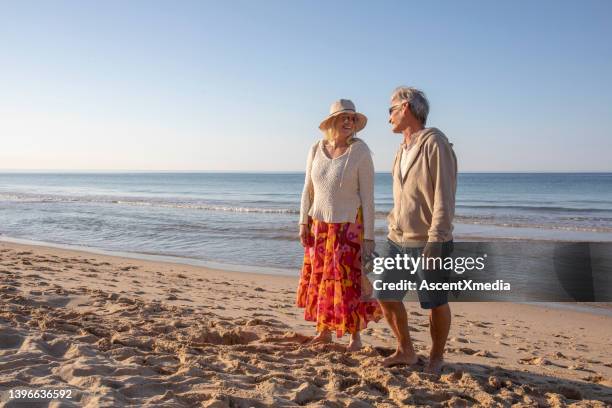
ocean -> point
(250, 219)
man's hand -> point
(432, 250)
(367, 248)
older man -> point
(420, 223)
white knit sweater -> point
(340, 186)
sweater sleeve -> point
(308, 189)
(366, 193)
(443, 170)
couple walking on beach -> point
(337, 225)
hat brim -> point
(360, 123)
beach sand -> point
(126, 332)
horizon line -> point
(124, 171)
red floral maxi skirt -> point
(330, 282)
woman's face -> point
(345, 124)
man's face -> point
(398, 115)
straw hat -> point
(343, 106)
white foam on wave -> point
(31, 198)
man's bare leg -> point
(396, 316)
(439, 326)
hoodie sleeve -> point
(442, 165)
(366, 193)
(308, 190)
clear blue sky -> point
(516, 86)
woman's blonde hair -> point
(330, 131)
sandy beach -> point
(128, 332)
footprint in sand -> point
(10, 339)
(483, 325)
(599, 379)
(34, 276)
(464, 350)
(539, 361)
(485, 353)
(580, 367)
(416, 314)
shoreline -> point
(597, 308)
(123, 331)
(594, 308)
(172, 259)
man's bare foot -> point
(354, 343)
(399, 357)
(435, 365)
(325, 337)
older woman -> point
(337, 228)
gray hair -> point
(419, 106)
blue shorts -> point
(429, 299)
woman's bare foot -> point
(435, 365)
(354, 343)
(323, 337)
(400, 357)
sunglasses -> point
(394, 107)
(347, 118)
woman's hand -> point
(366, 287)
(367, 248)
(304, 235)
(367, 251)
